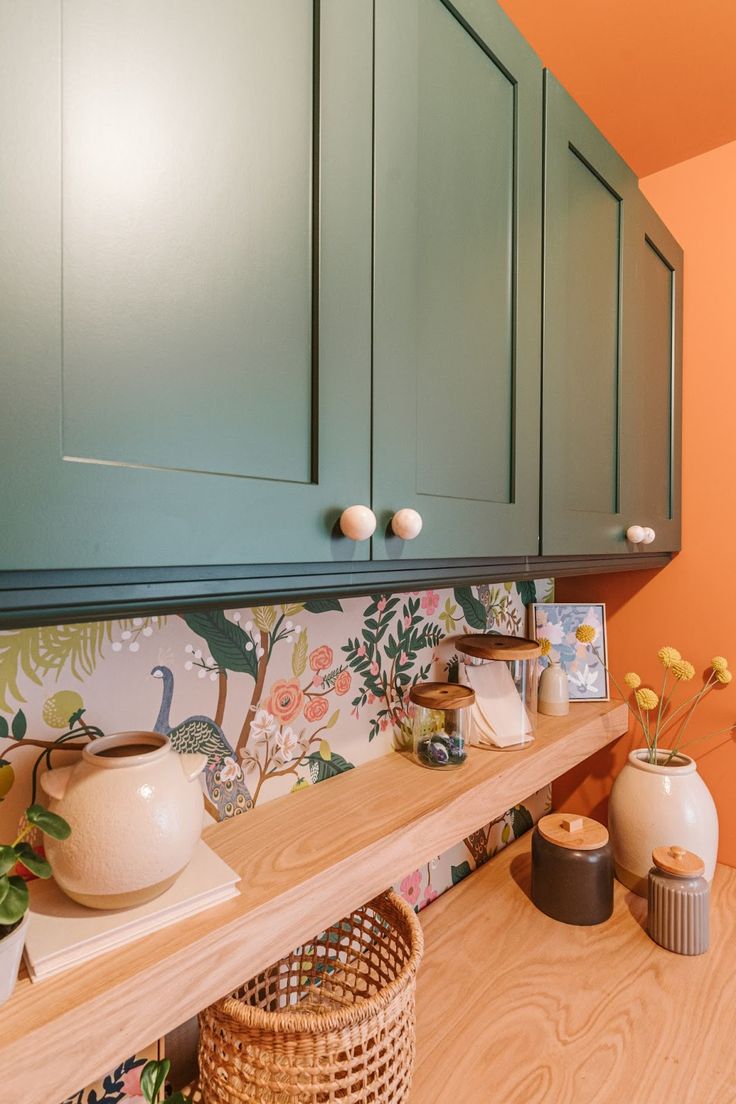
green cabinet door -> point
(653, 396)
(185, 280)
(456, 295)
(589, 301)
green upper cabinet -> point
(612, 349)
(653, 400)
(456, 295)
(590, 206)
(186, 280)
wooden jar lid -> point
(678, 861)
(442, 695)
(495, 646)
(579, 833)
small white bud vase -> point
(135, 808)
(554, 692)
(651, 805)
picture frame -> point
(585, 665)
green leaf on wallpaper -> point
(527, 591)
(4, 730)
(506, 833)
(475, 611)
(453, 669)
(521, 820)
(320, 768)
(461, 871)
(323, 605)
(19, 725)
(225, 640)
(264, 617)
(299, 654)
(292, 609)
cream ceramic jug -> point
(135, 808)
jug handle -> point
(54, 782)
(192, 763)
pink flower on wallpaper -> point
(131, 1082)
(407, 622)
(381, 604)
(410, 886)
(342, 682)
(430, 895)
(286, 699)
(361, 650)
(429, 602)
(403, 658)
(321, 657)
(317, 680)
(383, 724)
(374, 668)
(315, 709)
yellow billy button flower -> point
(646, 699)
(719, 663)
(668, 655)
(632, 679)
(724, 677)
(585, 634)
(682, 670)
(545, 645)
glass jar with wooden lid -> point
(503, 671)
(441, 724)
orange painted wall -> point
(690, 604)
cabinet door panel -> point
(456, 285)
(590, 195)
(653, 411)
(186, 279)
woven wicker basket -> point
(333, 1021)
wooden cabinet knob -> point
(357, 523)
(649, 536)
(406, 524)
(635, 534)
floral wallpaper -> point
(278, 697)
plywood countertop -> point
(305, 860)
(516, 1008)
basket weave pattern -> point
(333, 1021)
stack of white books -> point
(62, 933)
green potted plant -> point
(153, 1080)
(14, 897)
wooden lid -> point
(442, 695)
(676, 860)
(495, 646)
(579, 833)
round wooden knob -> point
(357, 523)
(648, 537)
(406, 524)
(635, 534)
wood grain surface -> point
(305, 860)
(517, 1008)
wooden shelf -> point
(517, 1007)
(305, 860)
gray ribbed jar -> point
(679, 901)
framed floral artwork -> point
(554, 625)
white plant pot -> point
(11, 949)
(653, 805)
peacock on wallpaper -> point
(277, 697)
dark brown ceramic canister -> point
(679, 901)
(572, 869)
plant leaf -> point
(320, 768)
(225, 640)
(32, 861)
(521, 820)
(153, 1078)
(325, 750)
(50, 823)
(293, 609)
(19, 725)
(4, 730)
(475, 611)
(299, 654)
(333, 719)
(527, 591)
(15, 902)
(323, 605)
(264, 617)
(7, 858)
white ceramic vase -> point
(11, 949)
(653, 805)
(135, 809)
